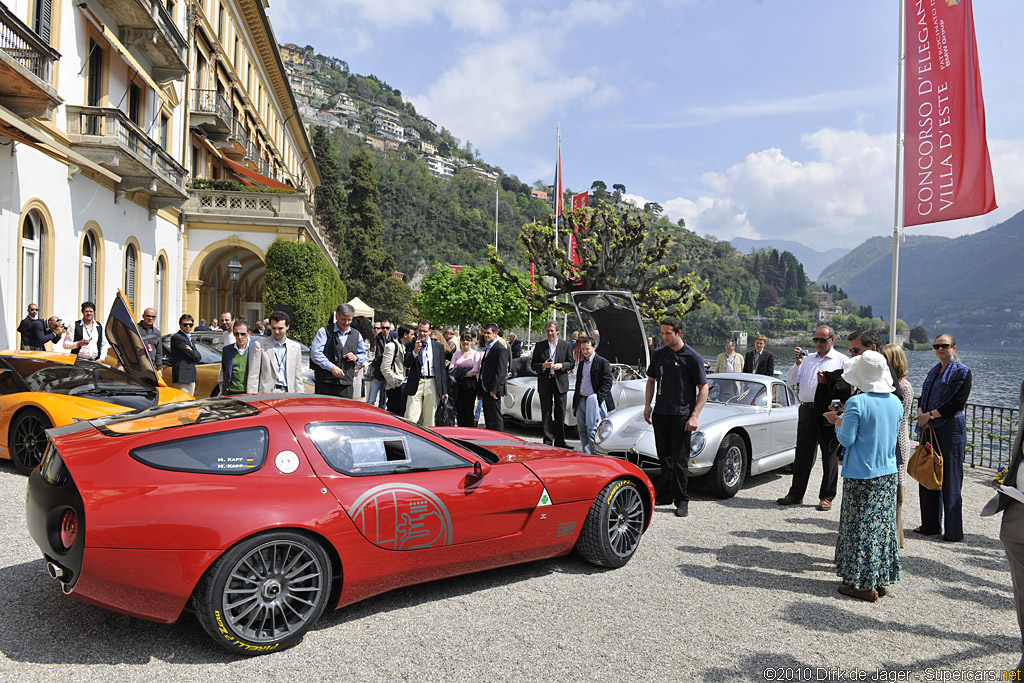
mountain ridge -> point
(813, 261)
(970, 285)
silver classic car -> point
(613, 319)
(747, 427)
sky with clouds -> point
(747, 118)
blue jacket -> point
(871, 425)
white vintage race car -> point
(613, 319)
(748, 426)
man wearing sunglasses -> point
(151, 338)
(376, 394)
(184, 357)
(34, 332)
(813, 431)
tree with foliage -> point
(473, 296)
(653, 209)
(767, 297)
(616, 250)
(369, 264)
(330, 196)
(392, 299)
(919, 335)
(298, 274)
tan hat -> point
(869, 372)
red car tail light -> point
(68, 528)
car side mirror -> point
(480, 469)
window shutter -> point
(129, 274)
(44, 10)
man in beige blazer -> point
(729, 358)
(279, 361)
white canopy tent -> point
(361, 308)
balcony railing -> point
(211, 112)
(27, 48)
(990, 433)
(26, 67)
(211, 102)
(247, 208)
(104, 133)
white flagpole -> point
(898, 217)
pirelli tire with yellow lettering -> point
(614, 524)
(265, 592)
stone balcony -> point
(26, 69)
(211, 113)
(259, 209)
(109, 138)
(147, 26)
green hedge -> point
(233, 186)
(298, 274)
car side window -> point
(8, 383)
(367, 449)
(780, 396)
(238, 451)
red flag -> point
(531, 275)
(579, 201)
(946, 169)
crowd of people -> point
(853, 409)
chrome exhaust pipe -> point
(55, 571)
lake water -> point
(996, 373)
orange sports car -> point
(43, 389)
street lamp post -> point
(235, 270)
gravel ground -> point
(738, 587)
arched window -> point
(161, 273)
(129, 275)
(90, 265)
(32, 259)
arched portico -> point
(210, 289)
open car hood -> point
(620, 331)
(126, 339)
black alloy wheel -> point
(27, 439)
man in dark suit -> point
(35, 333)
(428, 377)
(493, 371)
(592, 399)
(553, 361)
(237, 366)
(759, 361)
(515, 346)
(184, 357)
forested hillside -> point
(971, 286)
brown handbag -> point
(925, 464)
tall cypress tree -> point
(330, 196)
(369, 264)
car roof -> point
(746, 377)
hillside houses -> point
(385, 127)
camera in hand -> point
(836, 405)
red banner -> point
(579, 201)
(946, 169)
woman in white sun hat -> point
(867, 550)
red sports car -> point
(263, 510)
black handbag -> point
(445, 414)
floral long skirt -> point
(867, 550)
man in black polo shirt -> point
(677, 371)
